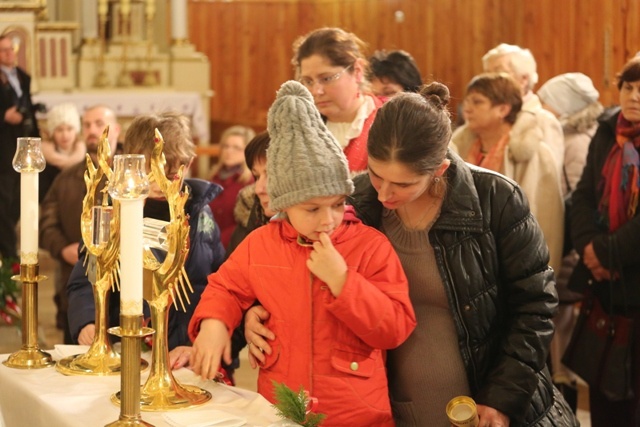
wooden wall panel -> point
(249, 41)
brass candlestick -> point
(29, 356)
(130, 185)
(29, 161)
(131, 333)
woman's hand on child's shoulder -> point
(257, 334)
(327, 264)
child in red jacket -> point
(335, 289)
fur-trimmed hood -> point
(244, 204)
(525, 138)
(583, 120)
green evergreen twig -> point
(293, 406)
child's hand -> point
(211, 344)
(326, 263)
(179, 357)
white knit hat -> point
(568, 93)
(63, 114)
(304, 160)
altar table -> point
(45, 397)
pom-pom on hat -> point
(304, 160)
(66, 113)
(568, 93)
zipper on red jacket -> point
(311, 335)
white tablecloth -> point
(45, 397)
(133, 102)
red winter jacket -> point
(333, 347)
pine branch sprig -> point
(293, 406)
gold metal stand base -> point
(178, 397)
(87, 364)
(29, 358)
(122, 422)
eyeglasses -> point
(323, 81)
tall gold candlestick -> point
(130, 186)
(29, 161)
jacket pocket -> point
(354, 363)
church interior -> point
(220, 62)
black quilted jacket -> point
(494, 265)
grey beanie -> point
(304, 160)
(568, 93)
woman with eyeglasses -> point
(331, 63)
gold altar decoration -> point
(100, 233)
(167, 283)
(150, 78)
(29, 161)
(101, 79)
(124, 78)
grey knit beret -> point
(304, 160)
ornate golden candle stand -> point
(101, 358)
(165, 283)
(161, 391)
(131, 333)
(29, 356)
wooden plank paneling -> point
(249, 41)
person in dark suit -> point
(17, 119)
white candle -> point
(179, 19)
(131, 211)
(29, 217)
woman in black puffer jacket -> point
(478, 270)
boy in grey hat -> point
(334, 288)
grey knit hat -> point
(304, 160)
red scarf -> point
(621, 176)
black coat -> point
(493, 262)
(9, 132)
(585, 226)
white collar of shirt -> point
(12, 76)
(345, 132)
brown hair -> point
(413, 129)
(630, 72)
(501, 89)
(256, 149)
(340, 48)
(176, 132)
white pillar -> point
(90, 19)
(178, 20)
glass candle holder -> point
(28, 157)
(130, 180)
